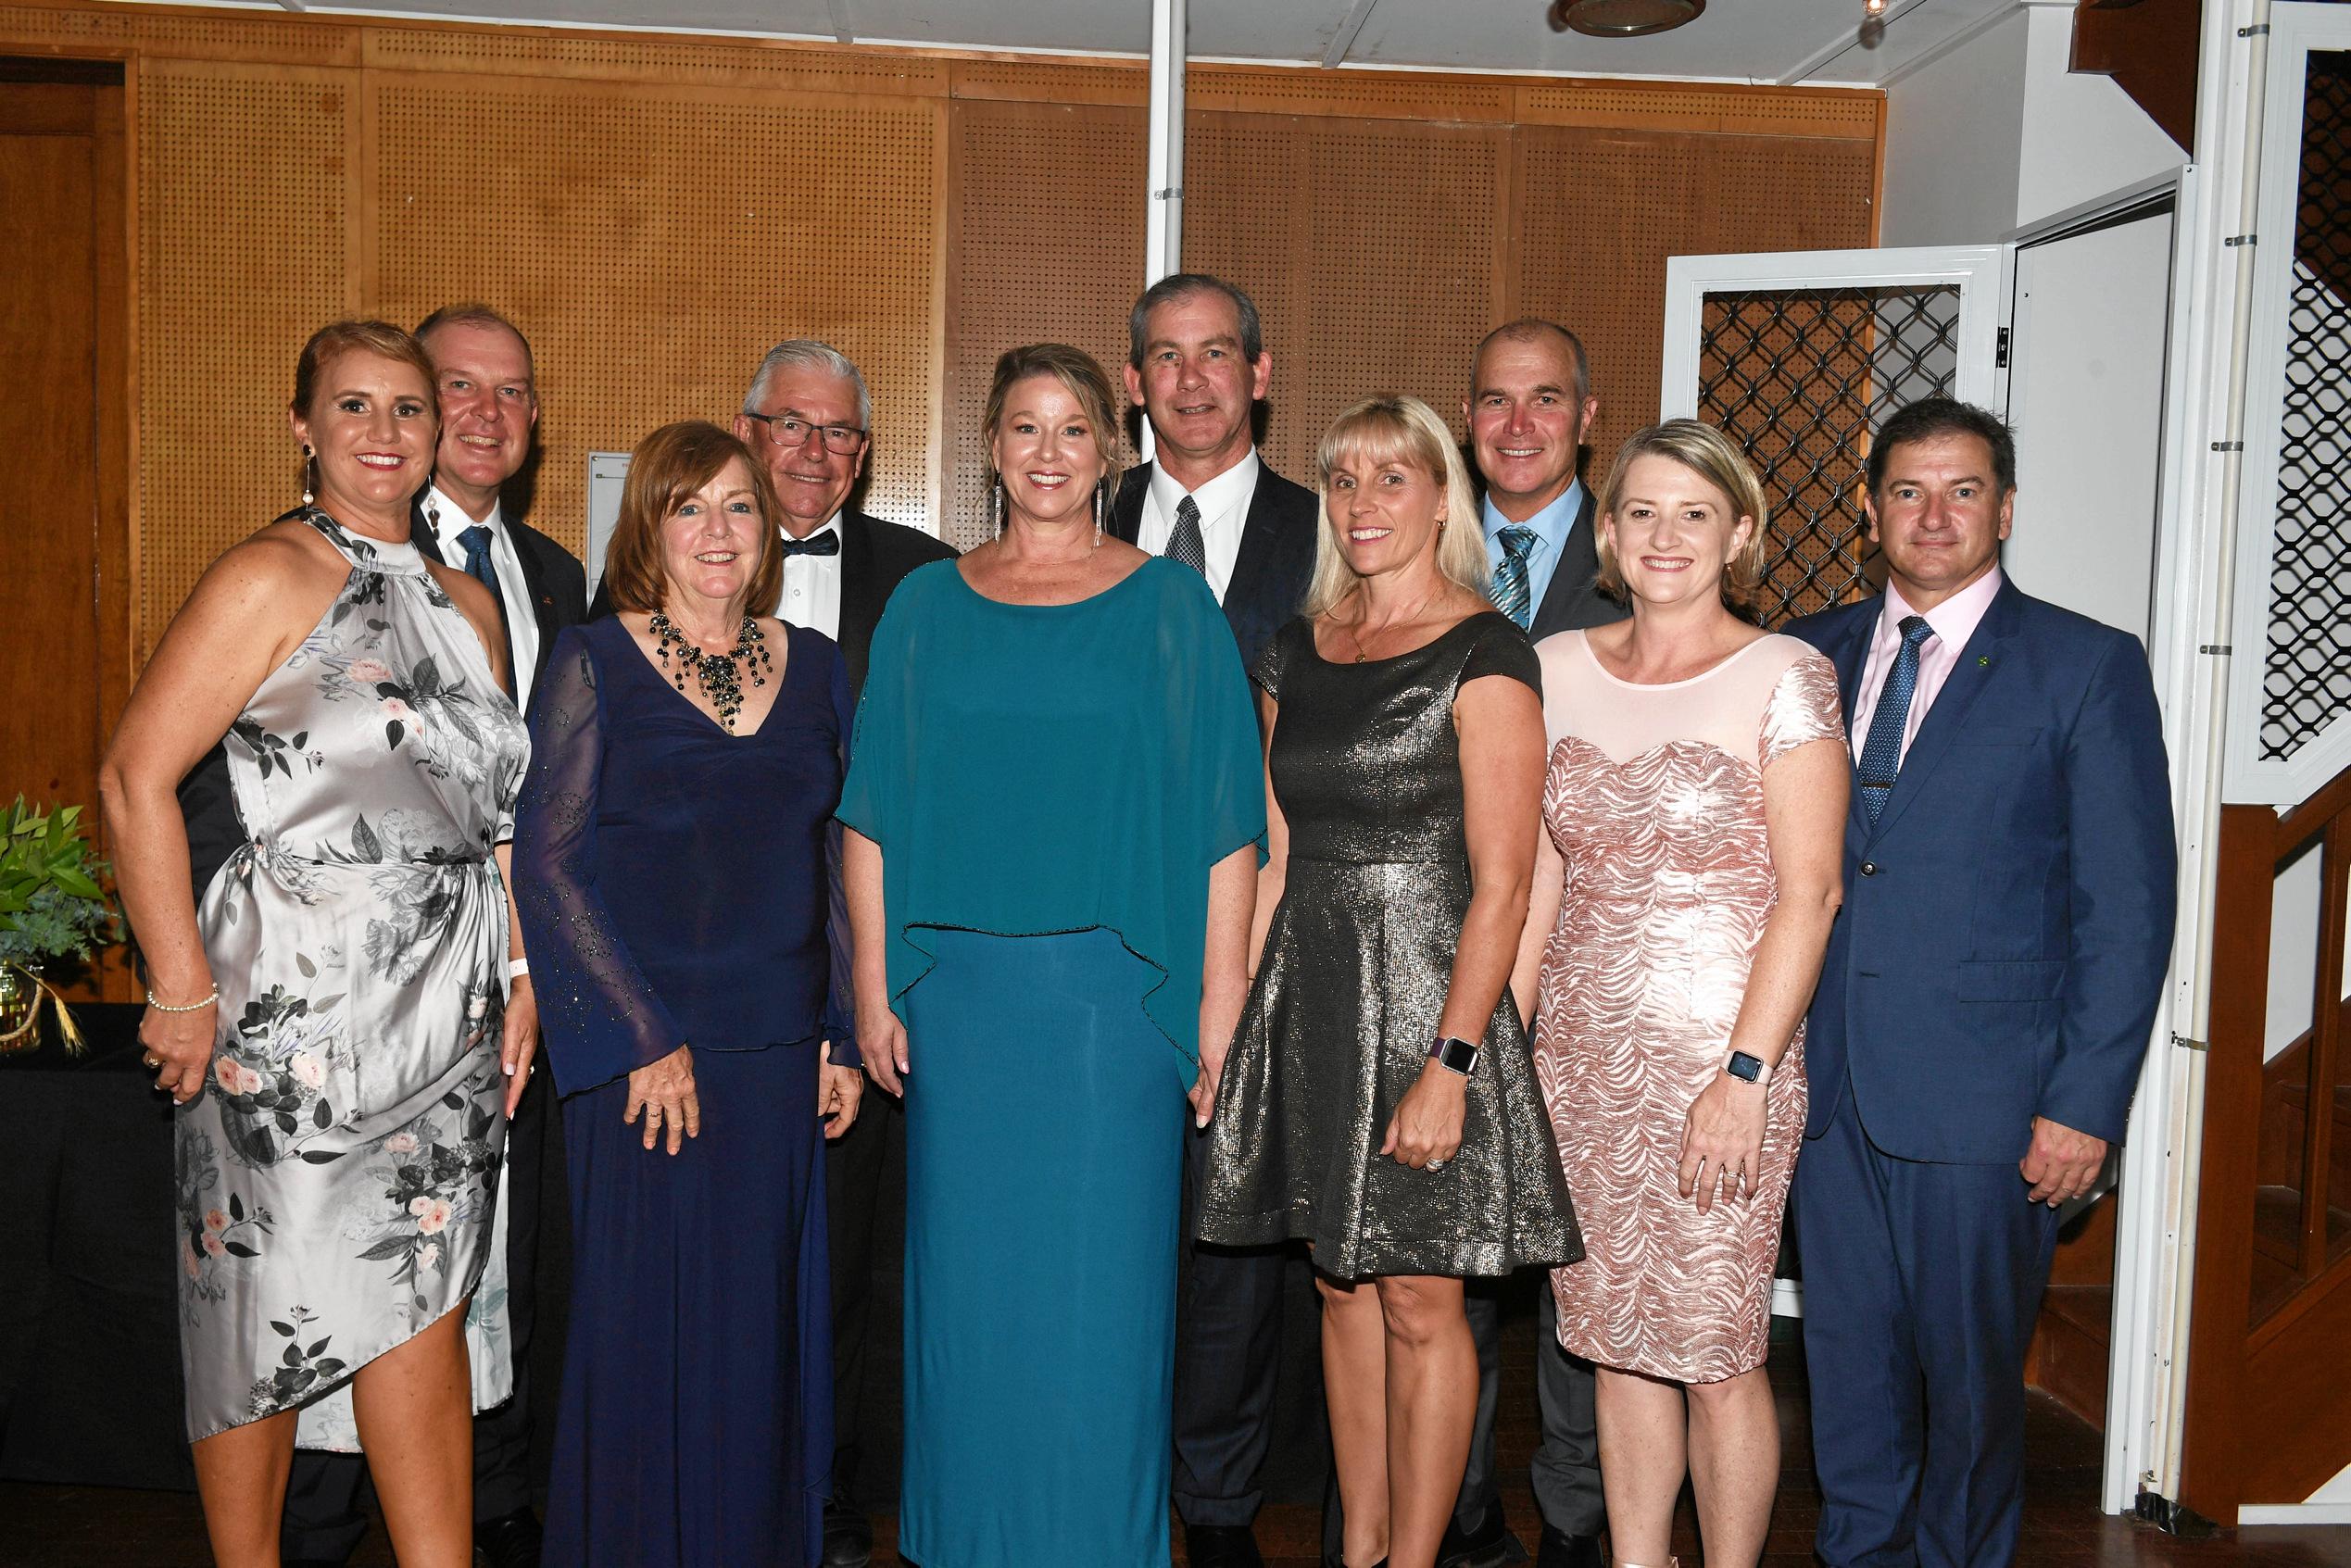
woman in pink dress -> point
(1695, 799)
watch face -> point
(1741, 1065)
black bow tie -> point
(825, 544)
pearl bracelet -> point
(198, 1006)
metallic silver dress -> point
(1351, 986)
(337, 1179)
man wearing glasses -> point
(808, 415)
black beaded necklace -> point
(716, 673)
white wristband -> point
(517, 967)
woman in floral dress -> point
(330, 1016)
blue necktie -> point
(1881, 753)
(1510, 578)
(479, 566)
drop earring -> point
(309, 475)
(1101, 488)
(996, 506)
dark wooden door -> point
(64, 508)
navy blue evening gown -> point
(678, 885)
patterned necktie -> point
(1881, 753)
(479, 565)
(1510, 578)
(1186, 544)
(825, 544)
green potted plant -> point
(53, 910)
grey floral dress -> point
(337, 1180)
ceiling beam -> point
(1344, 39)
(1850, 38)
(841, 29)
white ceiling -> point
(1771, 41)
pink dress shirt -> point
(1954, 620)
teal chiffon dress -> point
(1050, 787)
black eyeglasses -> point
(790, 430)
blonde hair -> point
(1713, 457)
(1396, 429)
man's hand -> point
(2061, 1163)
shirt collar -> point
(1552, 525)
(1221, 497)
(449, 520)
(1956, 618)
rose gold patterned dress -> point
(1654, 797)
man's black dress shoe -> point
(1568, 1551)
(1221, 1546)
(511, 1540)
(848, 1537)
(1486, 1544)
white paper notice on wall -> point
(605, 472)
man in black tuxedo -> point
(488, 396)
(1196, 366)
(1529, 407)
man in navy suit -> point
(1985, 1002)
(1197, 366)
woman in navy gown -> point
(676, 887)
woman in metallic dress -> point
(1379, 1102)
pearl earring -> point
(310, 475)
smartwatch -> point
(1454, 1055)
(1750, 1069)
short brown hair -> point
(335, 339)
(471, 313)
(667, 467)
(1083, 378)
(1713, 457)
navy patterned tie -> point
(1510, 578)
(479, 565)
(1881, 753)
(1183, 542)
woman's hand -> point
(838, 1089)
(1722, 1143)
(1425, 1130)
(518, 1043)
(1212, 1075)
(179, 1050)
(664, 1091)
(881, 1040)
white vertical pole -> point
(1163, 205)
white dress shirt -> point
(448, 520)
(1954, 621)
(812, 593)
(1223, 513)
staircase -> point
(2150, 49)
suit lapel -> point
(1126, 507)
(859, 606)
(1980, 662)
(1571, 580)
(1254, 566)
(1850, 654)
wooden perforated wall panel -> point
(1048, 246)
(1600, 210)
(657, 210)
(246, 211)
(655, 243)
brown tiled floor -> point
(89, 1527)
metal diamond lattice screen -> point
(2306, 676)
(1798, 378)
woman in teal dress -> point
(1054, 806)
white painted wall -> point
(1999, 134)
(2082, 136)
(1954, 132)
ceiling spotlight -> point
(1625, 19)
(1873, 8)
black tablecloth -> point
(88, 1338)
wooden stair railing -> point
(2268, 1420)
